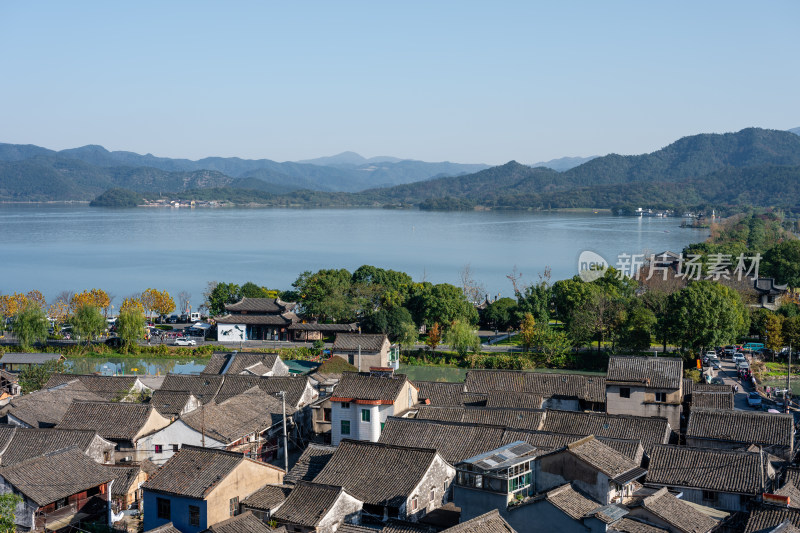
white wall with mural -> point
(231, 332)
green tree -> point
(434, 337)
(640, 321)
(34, 377)
(527, 331)
(219, 295)
(393, 322)
(791, 331)
(88, 322)
(599, 317)
(8, 508)
(408, 336)
(570, 295)
(442, 303)
(707, 314)
(553, 344)
(774, 338)
(130, 327)
(657, 301)
(782, 262)
(462, 338)
(501, 314)
(536, 299)
(326, 295)
(30, 325)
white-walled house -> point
(362, 401)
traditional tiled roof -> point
(514, 400)
(690, 387)
(765, 519)
(310, 463)
(107, 387)
(32, 442)
(573, 503)
(260, 305)
(352, 528)
(700, 468)
(328, 328)
(506, 417)
(363, 386)
(111, 420)
(194, 471)
(360, 467)
(602, 457)
(632, 525)
(393, 525)
(308, 504)
(490, 522)
(267, 497)
(295, 387)
(7, 432)
(454, 441)
(166, 528)
(650, 430)
(750, 427)
(792, 475)
(246, 522)
(46, 408)
(204, 388)
(712, 400)
(28, 358)
(170, 403)
(250, 412)
(655, 372)
(69, 472)
(790, 490)
(544, 440)
(350, 342)
(588, 388)
(236, 363)
(260, 320)
(440, 393)
(124, 478)
(678, 513)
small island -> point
(117, 198)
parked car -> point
(717, 381)
(754, 399)
(185, 342)
(173, 319)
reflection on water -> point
(140, 366)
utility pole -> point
(788, 380)
(285, 438)
(359, 358)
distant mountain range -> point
(796, 131)
(752, 167)
(564, 163)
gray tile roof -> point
(252, 320)
(363, 386)
(166, 528)
(506, 417)
(246, 522)
(490, 522)
(294, 387)
(51, 477)
(6, 434)
(328, 328)
(632, 525)
(587, 388)
(261, 305)
(440, 393)
(394, 525)
(307, 504)
(310, 463)
(28, 358)
(193, 471)
(766, 518)
(650, 430)
(352, 528)
(454, 441)
(604, 458)
(544, 440)
(655, 372)
(228, 421)
(792, 475)
(515, 400)
(700, 468)
(107, 387)
(32, 442)
(204, 388)
(792, 492)
(749, 427)
(690, 387)
(678, 513)
(360, 467)
(170, 403)
(46, 408)
(124, 478)
(236, 363)
(712, 400)
(571, 502)
(268, 497)
(350, 342)
(111, 420)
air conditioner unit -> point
(126, 459)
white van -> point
(194, 317)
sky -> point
(463, 81)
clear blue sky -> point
(460, 81)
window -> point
(365, 415)
(624, 392)
(326, 414)
(194, 516)
(234, 506)
(661, 396)
(382, 424)
(162, 510)
(159, 448)
(709, 496)
(175, 448)
(345, 427)
(345, 405)
(414, 504)
(433, 495)
(351, 359)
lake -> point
(75, 247)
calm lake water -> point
(57, 248)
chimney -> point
(775, 499)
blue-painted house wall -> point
(179, 512)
